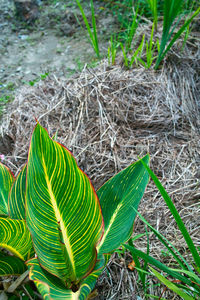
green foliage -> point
(131, 13)
(150, 50)
(188, 286)
(11, 265)
(14, 235)
(120, 213)
(6, 179)
(154, 11)
(6, 94)
(16, 202)
(92, 31)
(171, 12)
(112, 50)
(171, 285)
(37, 79)
(73, 229)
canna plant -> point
(14, 234)
(73, 229)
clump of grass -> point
(112, 50)
(154, 11)
(92, 31)
(186, 282)
(172, 9)
(150, 50)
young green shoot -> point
(132, 30)
(138, 52)
(112, 50)
(171, 12)
(150, 49)
(154, 11)
(92, 32)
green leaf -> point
(118, 198)
(51, 287)
(149, 259)
(171, 285)
(11, 265)
(15, 237)
(16, 202)
(6, 180)
(176, 254)
(88, 284)
(170, 13)
(176, 216)
(62, 210)
(190, 274)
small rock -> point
(23, 37)
(66, 29)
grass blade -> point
(154, 11)
(132, 30)
(94, 29)
(176, 36)
(138, 51)
(93, 36)
(171, 285)
(137, 264)
(166, 243)
(190, 274)
(176, 216)
(135, 252)
(125, 56)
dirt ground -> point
(23, 46)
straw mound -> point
(108, 117)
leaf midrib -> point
(59, 218)
(107, 231)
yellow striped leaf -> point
(16, 201)
(50, 287)
(88, 284)
(15, 237)
(118, 198)
(6, 181)
(62, 210)
(11, 265)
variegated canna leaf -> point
(50, 287)
(62, 210)
(15, 237)
(118, 196)
(88, 284)
(11, 265)
(16, 201)
(6, 181)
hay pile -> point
(108, 117)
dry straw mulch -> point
(107, 117)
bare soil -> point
(54, 43)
